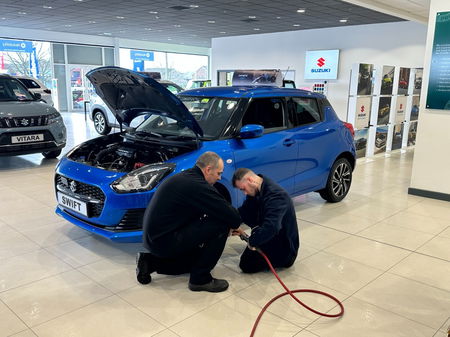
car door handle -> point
(288, 142)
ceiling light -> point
(222, 32)
(169, 38)
(22, 13)
(153, 12)
(120, 17)
(177, 26)
(107, 33)
(78, 0)
(193, 6)
(67, 25)
(47, 7)
(211, 21)
(296, 25)
(156, 17)
(301, 10)
(252, 17)
(343, 20)
(256, 29)
(278, 17)
(147, 28)
(92, 22)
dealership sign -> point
(16, 46)
(142, 55)
(321, 64)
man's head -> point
(247, 181)
(211, 165)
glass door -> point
(80, 87)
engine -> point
(122, 156)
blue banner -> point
(142, 55)
(138, 65)
(34, 64)
(16, 46)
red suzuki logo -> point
(362, 108)
(401, 106)
(321, 62)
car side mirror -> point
(251, 131)
(38, 95)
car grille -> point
(23, 122)
(85, 191)
(132, 220)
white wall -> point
(431, 165)
(396, 44)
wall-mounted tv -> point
(321, 64)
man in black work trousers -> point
(269, 211)
(186, 226)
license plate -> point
(27, 138)
(72, 203)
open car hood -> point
(128, 94)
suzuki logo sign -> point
(321, 62)
(362, 108)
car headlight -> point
(142, 179)
(53, 118)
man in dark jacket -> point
(269, 211)
(186, 226)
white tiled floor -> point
(384, 253)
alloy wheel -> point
(341, 179)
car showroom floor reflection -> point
(384, 253)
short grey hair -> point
(239, 174)
(208, 158)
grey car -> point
(104, 119)
(27, 124)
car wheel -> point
(100, 123)
(339, 181)
(51, 154)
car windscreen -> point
(211, 113)
(12, 90)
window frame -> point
(319, 110)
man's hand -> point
(238, 231)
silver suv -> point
(27, 124)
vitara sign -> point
(321, 64)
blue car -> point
(293, 136)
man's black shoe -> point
(143, 269)
(215, 286)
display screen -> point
(321, 64)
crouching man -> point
(186, 226)
(269, 211)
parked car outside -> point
(293, 136)
(104, 120)
(36, 86)
(27, 124)
(193, 84)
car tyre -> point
(339, 181)
(100, 123)
(51, 154)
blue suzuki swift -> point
(293, 136)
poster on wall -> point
(258, 77)
(365, 79)
(400, 109)
(415, 108)
(439, 81)
(418, 81)
(412, 133)
(380, 139)
(362, 113)
(387, 80)
(384, 109)
(361, 142)
(403, 81)
(397, 136)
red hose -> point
(291, 293)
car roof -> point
(248, 92)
